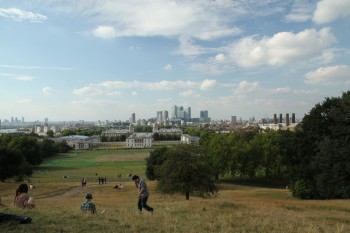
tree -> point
(186, 170)
(50, 133)
(321, 167)
(13, 164)
(27, 146)
(154, 161)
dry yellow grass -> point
(234, 209)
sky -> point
(104, 60)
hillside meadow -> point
(236, 208)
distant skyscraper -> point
(174, 112)
(133, 118)
(189, 117)
(165, 115)
(159, 116)
(233, 119)
(203, 116)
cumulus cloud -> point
(135, 93)
(220, 57)
(18, 14)
(48, 90)
(245, 86)
(329, 10)
(168, 67)
(282, 48)
(331, 75)
(104, 32)
(208, 84)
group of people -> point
(102, 180)
(24, 201)
(89, 207)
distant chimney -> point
(293, 117)
(275, 118)
(281, 118)
(287, 119)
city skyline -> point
(104, 60)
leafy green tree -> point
(50, 133)
(321, 167)
(47, 148)
(154, 161)
(13, 164)
(27, 146)
(186, 171)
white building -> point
(188, 139)
(139, 140)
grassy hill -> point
(236, 208)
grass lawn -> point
(236, 208)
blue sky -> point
(103, 60)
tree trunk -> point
(187, 195)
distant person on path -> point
(88, 206)
(83, 182)
(22, 199)
(143, 194)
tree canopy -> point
(321, 167)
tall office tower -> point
(189, 117)
(233, 119)
(159, 116)
(293, 117)
(180, 113)
(165, 115)
(46, 121)
(22, 119)
(12, 120)
(275, 118)
(287, 119)
(133, 118)
(203, 115)
(174, 112)
(281, 118)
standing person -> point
(22, 199)
(83, 182)
(88, 206)
(143, 194)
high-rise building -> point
(159, 116)
(165, 115)
(233, 119)
(204, 116)
(133, 118)
(174, 112)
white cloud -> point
(245, 86)
(104, 32)
(329, 10)
(301, 11)
(48, 90)
(168, 67)
(189, 93)
(24, 78)
(18, 14)
(88, 90)
(220, 57)
(331, 75)
(135, 93)
(282, 48)
(208, 84)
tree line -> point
(20, 153)
(314, 160)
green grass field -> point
(236, 208)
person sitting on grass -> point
(88, 206)
(22, 199)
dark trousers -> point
(142, 203)
(11, 217)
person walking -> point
(88, 206)
(143, 194)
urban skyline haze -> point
(104, 60)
